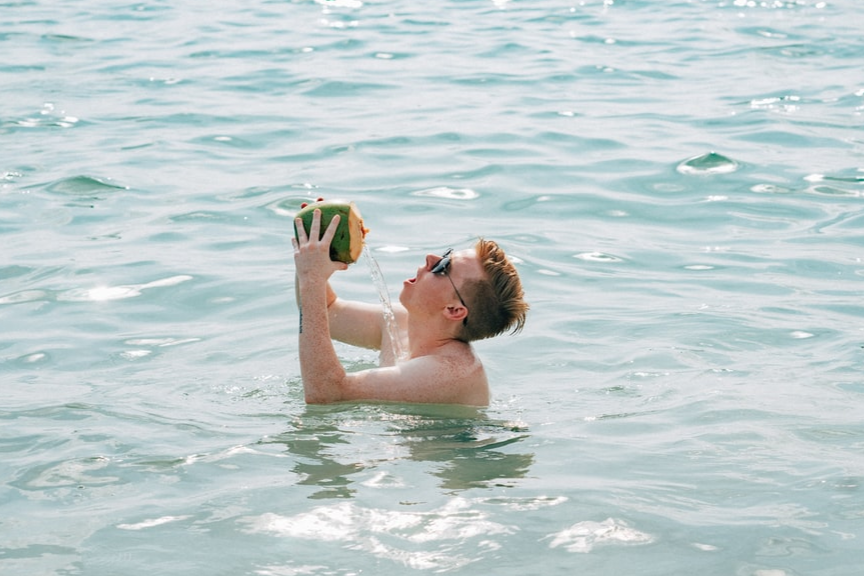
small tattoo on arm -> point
(301, 321)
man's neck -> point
(426, 339)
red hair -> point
(496, 303)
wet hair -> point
(496, 303)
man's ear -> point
(455, 313)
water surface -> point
(680, 182)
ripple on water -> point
(25, 296)
(597, 257)
(770, 189)
(48, 118)
(89, 471)
(699, 306)
(32, 359)
(83, 185)
(582, 537)
(447, 533)
(104, 293)
(708, 164)
(835, 185)
(146, 347)
(339, 89)
(525, 203)
(448, 193)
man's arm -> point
(319, 365)
(355, 323)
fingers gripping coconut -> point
(347, 244)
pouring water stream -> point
(384, 295)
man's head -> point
(495, 300)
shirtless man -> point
(454, 299)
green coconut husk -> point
(347, 244)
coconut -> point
(347, 243)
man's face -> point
(428, 290)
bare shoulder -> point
(465, 373)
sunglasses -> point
(442, 268)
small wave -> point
(340, 3)
(597, 257)
(770, 189)
(708, 164)
(582, 537)
(25, 296)
(82, 186)
(105, 293)
(453, 526)
(152, 522)
(449, 193)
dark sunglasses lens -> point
(443, 264)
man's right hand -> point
(312, 252)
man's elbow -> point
(319, 394)
(312, 398)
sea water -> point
(679, 184)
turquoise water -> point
(681, 183)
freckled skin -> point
(439, 368)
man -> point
(453, 300)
